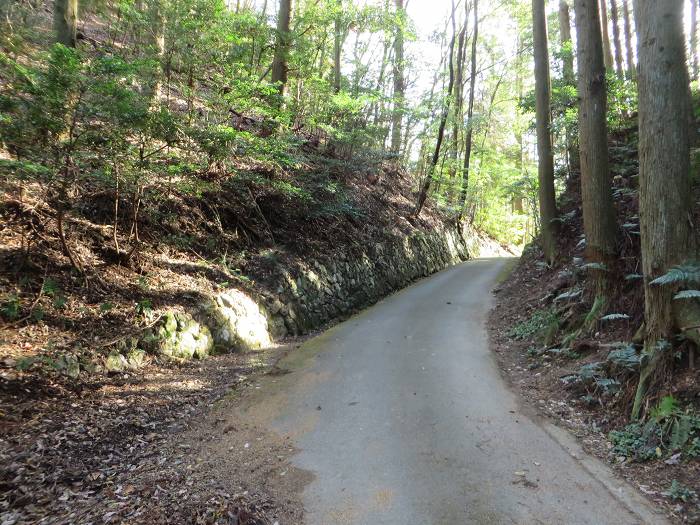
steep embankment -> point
(584, 378)
(97, 381)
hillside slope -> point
(585, 378)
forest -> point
(220, 179)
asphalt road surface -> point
(402, 418)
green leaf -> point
(687, 294)
(614, 317)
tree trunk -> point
(596, 193)
(457, 120)
(545, 171)
(616, 38)
(664, 173)
(282, 44)
(441, 128)
(694, 37)
(338, 41)
(569, 79)
(65, 22)
(606, 36)
(631, 68)
(470, 114)
(156, 44)
(397, 114)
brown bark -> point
(616, 38)
(399, 88)
(65, 22)
(664, 173)
(607, 50)
(423, 194)
(457, 117)
(694, 37)
(282, 44)
(569, 78)
(596, 192)
(470, 114)
(545, 168)
(631, 67)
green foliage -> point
(625, 357)
(634, 441)
(679, 492)
(682, 274)
(11, 307)
(537, 326)
(669, 429)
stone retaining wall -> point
(308, 296)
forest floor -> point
(538, 377)
(164, 445)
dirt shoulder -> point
(537, 377)
(166, 445)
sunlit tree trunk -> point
(282, 44)
(457, 120)
(694, 37)
(65, 22)
(156, 42)
(631, 67)
(664, 173)
(569, 78)
(470, 115)
(619, 67)
(607, 50)
(596, 193)
(397, 115)
(430, 171)
(338, 41)
(548, 208)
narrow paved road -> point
(403, 419)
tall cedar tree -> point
(631, 68)
(282, 43)
(694, 38)
(425, 188)
(545, 168)
(65, 22)
(617, 42)
(607, 50)
(664, 174)
(569, 79)
(470, 114)
(596, 192)
(399, 88)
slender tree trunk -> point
(607, 50)
(468, 140)
(596, 192)
(338, 39)
(457, 121)
(631, 67)
(423, 194)
(282, 44)
(156, 43)
(694, 37)
(548, 208)
(664, 173)
(569, 79)
(397, 114)
(65, 22)
(619, 67)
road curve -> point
(402, 418)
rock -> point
(115, 362)
(136, 358)
(183, 337)
(238, 322)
